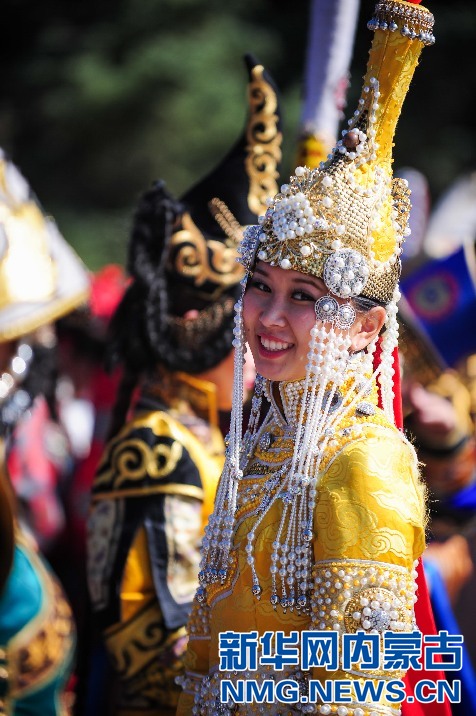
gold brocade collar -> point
(185, 394)
(286, 397)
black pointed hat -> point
(246, 176)
(182, 254)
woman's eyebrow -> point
(309, 282)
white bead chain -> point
(318, 408)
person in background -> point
(173, 336)
(41, 279)
(85, 396)
(437, 419)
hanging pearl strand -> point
(291, 557)
(249, 437)
(327, 361)
(389, 343)
(294, 548)
(216, 544)
(279, 562)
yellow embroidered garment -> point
(368, 530)
(152, 494)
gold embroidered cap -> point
(345, 221)
(41, 277)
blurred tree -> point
(100, 98)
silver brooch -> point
(365, 409)
(345, 316)
(326, 309)
(346, 273)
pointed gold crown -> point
(345, 221)
(41, 277)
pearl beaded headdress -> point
(343, 222)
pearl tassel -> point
(329, 364)
(389, 343)
(216, 544)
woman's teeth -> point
(274, 345)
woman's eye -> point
(260, 286)
(302, 296)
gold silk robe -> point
(152, 495)
(368, 530)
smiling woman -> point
(319, 516)
(279, 311)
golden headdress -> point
(345, 221)
(41, 277)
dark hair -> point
(364, 304)
(142, 334)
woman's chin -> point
(278, 375)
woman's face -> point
(279, 313)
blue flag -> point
(442, 297)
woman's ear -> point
(366, 327)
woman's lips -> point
(271, 347)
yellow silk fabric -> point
(137, 584)
(371, 506)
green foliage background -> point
(99, 98)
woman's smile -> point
(271, 345)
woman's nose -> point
(273, 313)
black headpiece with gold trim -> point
(182, 254)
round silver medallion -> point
(326, 309)
(346, 273)
(345, 316)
